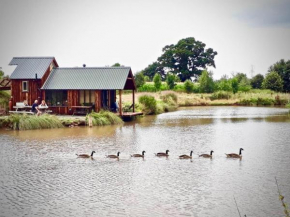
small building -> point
(63, 88)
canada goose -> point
(184, 156)
(207, 155)
(139, 155)
(162, 154)
(86, 155)
(114, 156)
(234, 155)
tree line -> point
(188, 60)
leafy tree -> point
(187, 58)
(1, 74)
(157, 81)
(240, 76)
(283, 69)
(116, 65)
(235, 85)
(206, 82)
(139, 79)
(188, 86)
(170, 80)
(146, 78)
(152, 69)
(244, 85)
(256, 81)
(223, 84)
(273, 81)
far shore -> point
(204, 99)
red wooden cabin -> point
(62, 88)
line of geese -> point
(165, 154)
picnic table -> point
(82, 110)
(22, 108)
(44, 109)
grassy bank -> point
(220, 98)
(31, 122)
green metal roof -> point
(96, 78)
(27, 67)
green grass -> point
(31, 122)
(104, 118)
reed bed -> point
(104, 118)
(31, 122)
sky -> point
(249, 35)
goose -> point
(162, 154)
(86, 155)
(234, 155)
(113, 156)
(139, 155)
(207, 155)
(184, 156)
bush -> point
(157, 81)
(30, 122)
(206, 82)
(220, 95)
(139, 79)
(170, 80)
(149, 104)
(104, 118)
(170, 98)
(273, 81)
(188, 86)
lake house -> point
(65, 88)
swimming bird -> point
(139, 155)
(184, 156)
(114, 156)
(162, 154)
(207, 155)
(86, 155)
(234, 155)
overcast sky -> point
(248, 34)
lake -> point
(42, 176)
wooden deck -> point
(131, 114)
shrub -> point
(188, 86)
(157, 81)
(149, 104)
(273, 81)
(30, 122)
(170, 80)
(206, 82)
(104, 118)
(170, 98)
(139, 79)
(220, 95)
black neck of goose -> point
(167, 151)
(191, 153)
(211, 152)
(240, 151)
(118, 154)
(92, 154)
(143, 153)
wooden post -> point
(120, 102)
(133, 100)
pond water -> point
(41, 175)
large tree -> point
(283, 69)
(152, 69)
(188, 58)
(273, 81)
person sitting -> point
(43, 104)
(25, 103)
(115, 107)
(34, 108)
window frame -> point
(27, 86)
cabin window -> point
(56, 97)
(25, 86)
(87, 97)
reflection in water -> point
(41, 175)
